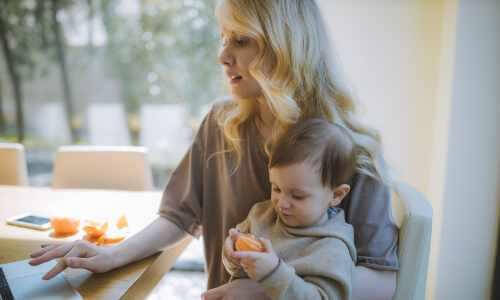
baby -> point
(309, 250)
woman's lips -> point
(235, 79)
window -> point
(107, 72)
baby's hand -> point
(258, 264)
(229, 246)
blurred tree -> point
(3, 125)
(60, 45)
(164, 52)
(40, 12)
(119, 42)
(90, 24)
(179, 49)
(25, 33)
(159, 51)
(12, 21)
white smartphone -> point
(32, 221)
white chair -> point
(413, 215)
(13, 169)
(102, 167)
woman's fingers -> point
(50, 253)
(44, 249)
(215, 293)
(84, 258)
(77, 250)
(82, 263)
(58, 268)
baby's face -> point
(298, 196)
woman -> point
(276, 58)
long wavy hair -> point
(304, 81)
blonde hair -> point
(303, 82)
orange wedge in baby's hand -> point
(248, 242)
(64, 226)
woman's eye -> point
(241, 41)
(276, 190)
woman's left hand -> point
(258, 264)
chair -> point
(13, 169)
(102, 167)
(415, 224)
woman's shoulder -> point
(222, 104)
(212, 115)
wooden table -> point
(130, 282)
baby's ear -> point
(339, 194)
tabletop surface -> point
(140, 208)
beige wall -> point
(390, 52)
(426, 77)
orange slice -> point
(113, 239)
(95, 230)
(248, 242)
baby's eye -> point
(298, 197)
(276, 190)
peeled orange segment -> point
(95, 230)
(113, 239)
(90, 239)
(100, 241)
(64, 225)
(122, 222)
(248, 242)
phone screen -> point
(34, 220)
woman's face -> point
(235, 55)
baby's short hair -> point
(328, 147)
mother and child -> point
(285, 158)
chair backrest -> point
(414, 215)
(102, 167)
(13, 169)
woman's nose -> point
(225, 57)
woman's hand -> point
(77, 254)
(241, 289)
(258, 264)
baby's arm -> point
(321, 277)
(284, 283)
